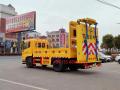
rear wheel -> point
(59, 67)
(29, 62)
(44, 66)
(73, 67)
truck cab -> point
(30, 48)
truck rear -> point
(84, 42)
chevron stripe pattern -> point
(91, 48)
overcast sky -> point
(54, 14)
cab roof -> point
(38, 40)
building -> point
(2, 30)
(58, 38)
(31, 34)
(6, 11)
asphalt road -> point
(15, 76)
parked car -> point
(117, 58)
(104, 58)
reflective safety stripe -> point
(86, 42)
(96, 42)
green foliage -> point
(101, 46)
(108, 41)
(117, 41)
(108, 53)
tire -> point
(73, 67)
(44, 66)
(29, 62)
(119, 61)
(59, 67)
(109, 60)
(103, 60)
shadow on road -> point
(78, 72)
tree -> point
(108, 41)
(117, 41)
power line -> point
(109, 4)
(117, 23)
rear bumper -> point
(88, 62)
(88, 65)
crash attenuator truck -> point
(82, 52)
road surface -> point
(15, 76)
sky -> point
(55, 14)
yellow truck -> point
(82, 52)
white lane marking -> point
(21, 84)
